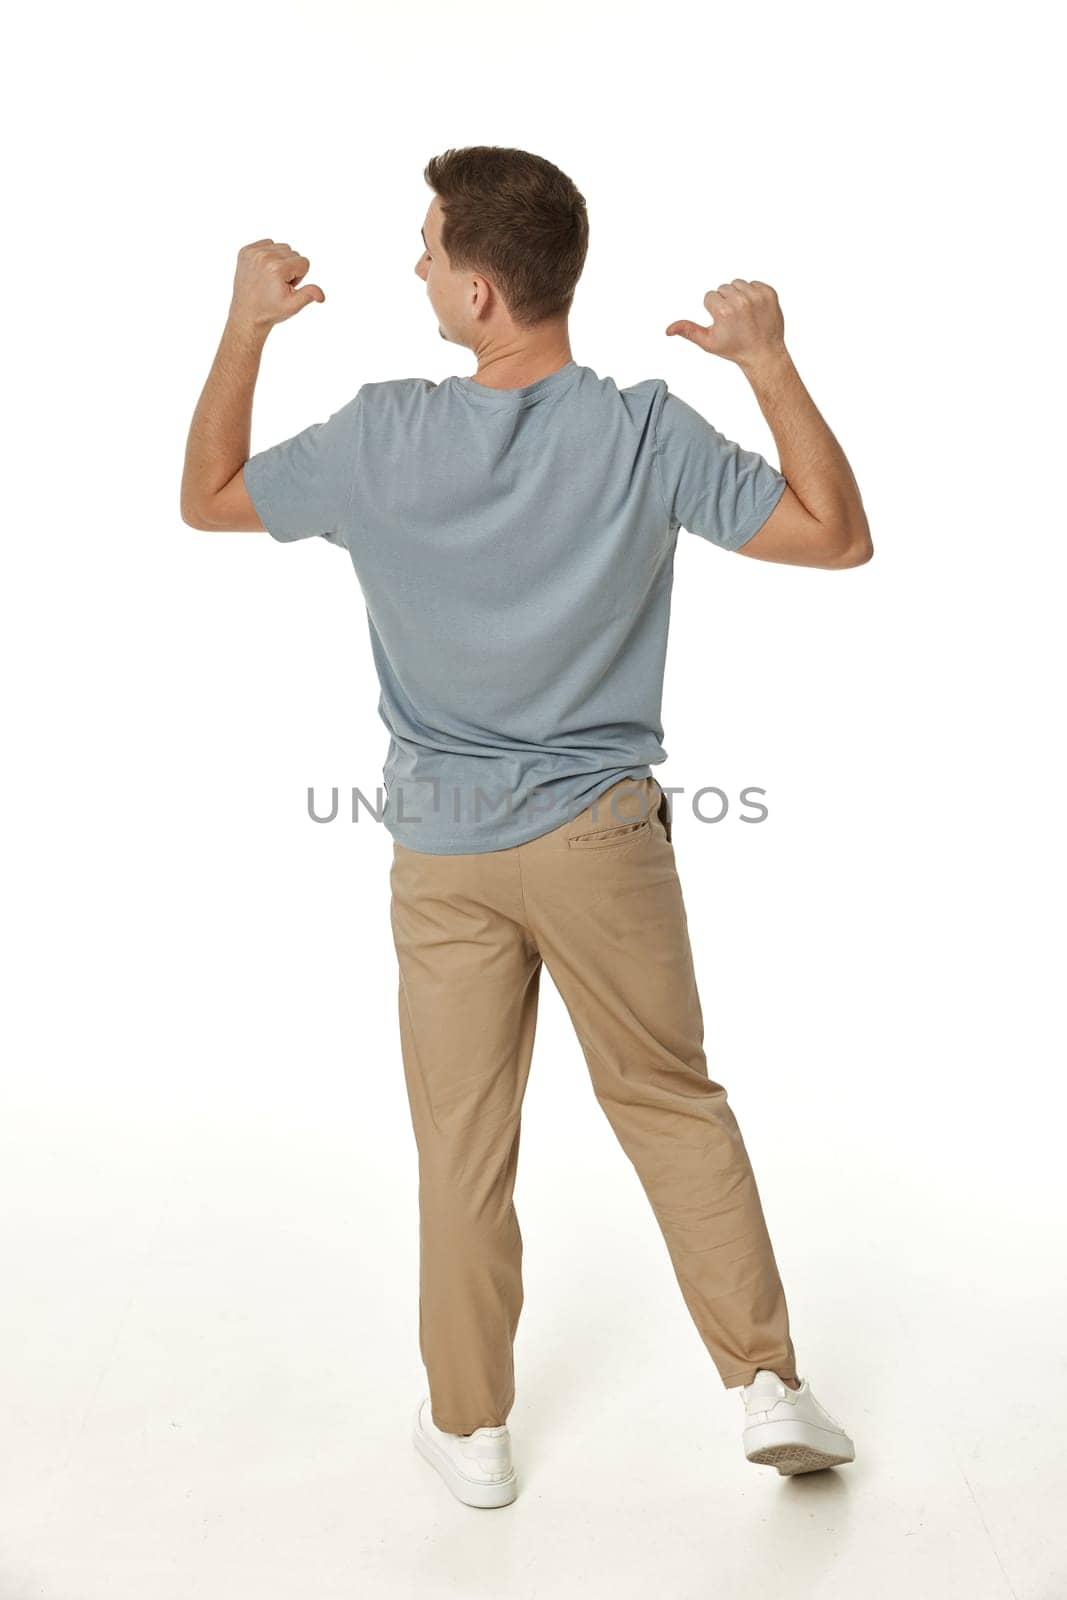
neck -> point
(514, 369)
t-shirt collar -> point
(525, 394)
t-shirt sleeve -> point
(710, 485)
(303, 487)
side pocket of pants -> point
(663, 812)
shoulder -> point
(395, 392)
(645, 398)
(675, 418)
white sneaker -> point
(477, 1466)
(788, 1428)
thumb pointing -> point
(309, 292)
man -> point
(513, 534)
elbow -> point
(852, 548)
(194, 518)
(856, 555)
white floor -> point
(209, 1364)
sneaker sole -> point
(472, 1491)
(796, 1447)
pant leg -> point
(605, 905)
(468, 989)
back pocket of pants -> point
(606, 838)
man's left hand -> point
(265, 285)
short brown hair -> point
(516, 218)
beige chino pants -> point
(598, 901)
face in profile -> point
(447, 290)
(432, 266)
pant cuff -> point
(734, 1380)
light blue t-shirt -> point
(515, 552)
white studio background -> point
(208, 1178)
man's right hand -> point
(748, 325)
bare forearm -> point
(221, 429)
(810, 457)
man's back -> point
(515, 549)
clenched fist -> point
(265, 284)
(747, 326)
